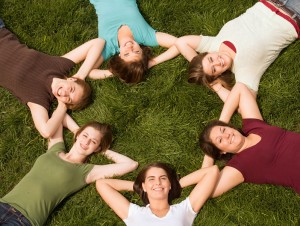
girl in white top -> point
(158, 184)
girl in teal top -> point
(125, 35)
(57, 174)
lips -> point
(232, 138)
(59, 91)
(221, 61)
(131, 42)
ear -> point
(72, 79)
(144, 187)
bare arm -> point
(221, 91)
(90, 53)
(122, 165)
(229, 178)
(205, 180)
(240, 97)
(57, 137)
(187, 46)
(100, 74)
(45, 125)
(207, 161)
(69, 123)
(167, 41)
(108, 189)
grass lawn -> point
(158, 119)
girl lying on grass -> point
(157, 185)
(261, 153)
(37, 79)
(126, 36)
(58, 174)
(245, 46)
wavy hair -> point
(131, 72)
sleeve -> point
(132, 212)
(60, 146)
(208, 44)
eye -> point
(137, 51)
(126, 54)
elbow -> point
(134, 165)
(45, 133)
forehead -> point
(155, 171)
(91, 132)
(78, 92)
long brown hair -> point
(131, 72)
(175, 191)
(198, 76)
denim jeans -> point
(293, 5)
(9, 216)
(1, 23)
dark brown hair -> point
(208, 146)
(175, 191)
(104, 129)
(198, 76)
(85, 99)
(131, 72)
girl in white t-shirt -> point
(158, 185)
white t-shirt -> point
(180, 214)
(258, 36)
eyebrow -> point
(159, 176)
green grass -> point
(158, 119)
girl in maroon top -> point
(261, 153)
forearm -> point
(231, 104)
(99, 74)
(69, 123)
(167, 55)
(194, 177)
(207, 161)
(55, 120)
(118, 185)
(221, 91)
(117, 157)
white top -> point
(258, 36)
(180, 214)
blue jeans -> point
(1, 23)
(293, 5)
(9, 216)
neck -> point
(124, 34)
(73, 157)
(159, 208)
(250, 140)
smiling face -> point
(216, 63)
(88, 141)
(227, 139)
(130, 51)
(68, 91)
(156, 184)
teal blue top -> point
(49, 181)
(112, 14)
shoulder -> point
(59, 146)
(250, 124)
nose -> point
(158, 182)
(87, 141)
